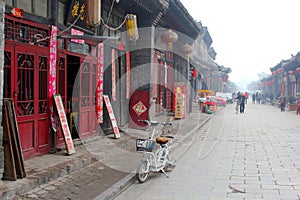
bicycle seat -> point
(162, 140)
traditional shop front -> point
(26, 81)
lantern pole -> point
(165, 79)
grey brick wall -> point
(2, 10)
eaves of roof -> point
(179, 19)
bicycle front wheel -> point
(170, 163)
(142, 172)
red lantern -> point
(169, 37)
(280, 70)
(186, 49)
(298, 70)
(291, 72)
(273, 73)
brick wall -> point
(2, 10)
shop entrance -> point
(81, 87)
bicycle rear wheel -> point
(142, 172)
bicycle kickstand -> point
(163, 171)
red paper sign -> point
(64, 124)
(111, 116)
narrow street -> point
(233, 156)
(237, 156)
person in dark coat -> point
(241, 98)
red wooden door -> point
(29, 86)
(88, 125)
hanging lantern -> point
(291, 72)
(292, 76)
(298, 70)
(273, 73)
(280, 70)
(187, 50)
(131, 27)
(169, 37)
(93, 12)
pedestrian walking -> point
(246, 97)
(282, 103)
(240, 102)
(242, 105)
(253, 98)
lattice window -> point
(25, 33)
(7, 74)
(85, 84)
(43, 84)
(25, 84)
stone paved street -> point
(254, 155)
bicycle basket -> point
(144, 145)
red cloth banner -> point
(99, 90)
(113, 75)
(52, 74)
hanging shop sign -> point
(79, 13)
(111, 116)
(64, 124)
(76, 32)
(180, 100)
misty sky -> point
(250, 37)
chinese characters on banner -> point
(111, 116)
(52, 72)
(99, 91)
(64, 124)
(113, 75)
(76, 32)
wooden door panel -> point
(26, 132)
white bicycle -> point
(158, 161)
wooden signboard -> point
(111, 116)
(14, 161)
(64, 124)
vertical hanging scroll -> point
(113, 75)
(127, 75)
(99, 92)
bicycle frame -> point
(158, 160)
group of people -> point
(241, 100)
